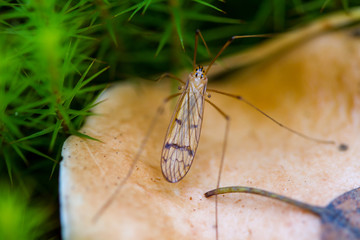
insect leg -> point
(227, 118)
(159, 111)
(170, 75)
(341, 146)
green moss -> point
(20, 219)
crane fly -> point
(183, 134)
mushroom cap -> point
(312, 88)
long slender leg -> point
(227, 118)
(228, 43)
(172, 76)
(340, 146)
(159, 111)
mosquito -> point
(183, 134)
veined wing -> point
(183, 134)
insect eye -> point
(202, 75)
(196, 75)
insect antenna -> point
(197, 34)
(229, 42)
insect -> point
(183, 134)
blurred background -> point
(57, 56)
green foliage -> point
(19, 219)
(54, 60)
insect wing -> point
(183, 134)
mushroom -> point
(312, 87)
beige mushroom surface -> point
(313, 88)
